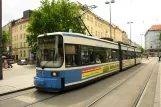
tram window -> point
(125, 55)
(70, 55)
(85, 55)
(92, 59)
(108, 55)
(114, 54)
(100, 55)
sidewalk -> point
(16, 79)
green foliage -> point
(142, 49)
(159, 36)
(5, 40)
(54, 16)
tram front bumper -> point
(47, 82)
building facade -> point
(20, 48)
(125, 38)
(152, 42)
(100, 28)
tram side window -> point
(129, 55)
(125, 55)
(85, 55)
(70, 52)
(101, 55)
(114, 54)
(92, 58)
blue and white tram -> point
(67, 59)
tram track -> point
(143, 91)
(16, 94)
(115, 86)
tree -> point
(5, 40)
(141, 48)
(54, 16)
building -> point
(20, 48)
(99, 27)
(125, 38)
(152, 42)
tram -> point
(66, 60)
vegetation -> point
(54, 16)
(142, 49)
(5, 40)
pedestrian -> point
(9, 64)
(5, 64)
(147, 57)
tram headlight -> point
(55, 74)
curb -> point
(14, 91)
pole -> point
(141, 40)
(130, 33)
(110, 21)
(1, 73)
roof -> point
(155, 27)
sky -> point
(143, 13)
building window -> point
(91, 19)
(24, 36)
(24, 26)
(20, 44)
(20, 53)
(20, 27)
(17, 45)
(24, 44)
(96, 23)
(91, 30)
(96, 32)
(20, 36)
(87, 17)
(24, 53)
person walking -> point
(147, 57)
(5, 64)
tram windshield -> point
(50, 51)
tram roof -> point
(81, 36)
(76, 35)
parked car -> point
(22, 62)
(11, 61)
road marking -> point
(26, 99)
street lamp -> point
(130, 30)
(107, 2)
